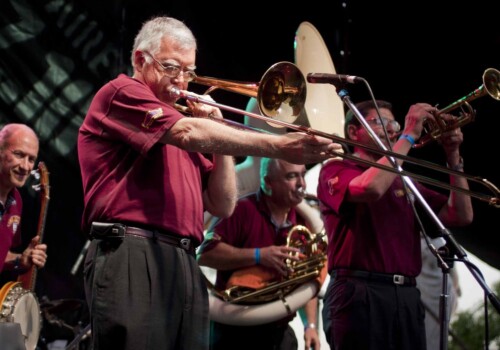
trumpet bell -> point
(491, 82)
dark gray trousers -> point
(144, 294)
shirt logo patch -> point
(151, 116)
(14, 223)
(399, 193)
(331, 185)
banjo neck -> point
(28, 278)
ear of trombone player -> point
(369, 215)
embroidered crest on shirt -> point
(13, 222)
(401, 193)
(331, 184)
(151, 116)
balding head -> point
(18, 153)
(12, 131)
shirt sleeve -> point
(334, 179)
(136, 116)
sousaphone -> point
(323, 111)
(324, 108)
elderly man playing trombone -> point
(146, 182)
(372, 301)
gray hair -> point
(268, 167)
(154, 30)
(363, 107)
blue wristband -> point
(257, 256)
(409, 138)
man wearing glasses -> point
(146, 184)
(372, 300)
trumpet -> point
(434, 129)
(281, 95)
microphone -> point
(79, 260)
(334, 79)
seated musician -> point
(18, 153)
(256, 234)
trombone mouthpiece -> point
(174, 92)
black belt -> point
(375, 276)
(104, 230)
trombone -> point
(281, 96)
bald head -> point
(18, 153)
(13, 131)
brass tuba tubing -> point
(305, 270)
(297, 96)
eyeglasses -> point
(394, 124)
(173, 71)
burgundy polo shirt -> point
(250, 226)
(10, 223)
(127, 175)
(381, 236)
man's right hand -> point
(301, 148)
(275, 257)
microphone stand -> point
(444, 297)
(445, 233)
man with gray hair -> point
(256, 235)
(148, 173)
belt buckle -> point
(398, 279)
(185, 243)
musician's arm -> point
(311, 215)
(309, 315)
(226, 257)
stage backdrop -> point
(55, 54)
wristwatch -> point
(309, 325)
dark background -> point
(54, 55)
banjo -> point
(18, 301)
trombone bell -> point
(281, 92)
